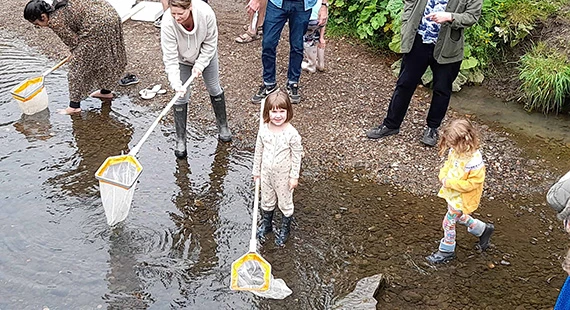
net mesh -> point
(116, 179)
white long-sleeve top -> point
(278, 152)
(194, 48)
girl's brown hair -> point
(184, 4)
(461, 136)
(277, 100)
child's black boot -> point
(440, 257)
(485, 238)
(266, 225)
(284, 232)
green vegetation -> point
(545, 77)
(503, 25)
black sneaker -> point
(293, 91)
(440, 257)
(381, 131)
(485, 238)
(129, 79)
(430, 136)
(264, 90)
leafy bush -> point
(545, 76)
(503, 23)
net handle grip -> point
(253, 240)
(136, 149)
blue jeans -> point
(275, 18)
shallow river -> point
(191, 219)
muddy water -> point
(190, 220)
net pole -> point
(253, 240)
(137, 147)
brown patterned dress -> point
(93, 32)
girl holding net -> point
(277, 162)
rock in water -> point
(363, 296)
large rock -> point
(363, 296)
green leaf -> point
(469, 63)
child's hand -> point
(443, 181)
(440, 17)
(293, 183)
(322, 43)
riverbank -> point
(337, 108)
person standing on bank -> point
(432, 35)
(189, 39)
(277, 13)
(93, 32)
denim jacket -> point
(450, 41)
(309, 4)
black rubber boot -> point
(219, 106)
(180, 119)
(266, 225)
(284, 232)
(485, 238)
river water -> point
(191, 219)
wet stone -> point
(364, 295)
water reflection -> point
(125, 287)
(98, 134)
(36, 126)
(198, 218)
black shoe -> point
(440, 257)
(293, 91)
(485, 238)
(264, 90)
(381, 131)
(129, 79)
(430, 136)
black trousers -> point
(414, 65)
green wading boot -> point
(284, 232)
(180, 118)
(266, 225)
(219, 106)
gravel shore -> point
(337, 108)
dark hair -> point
(277, 100)
(35, 8)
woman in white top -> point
(189, 39)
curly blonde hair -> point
(461, 136)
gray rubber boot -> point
(180, 119)
(219, 106)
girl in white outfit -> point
(277, 162)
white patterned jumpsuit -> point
(277, 159)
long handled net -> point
(31, 94)
(251, 272)
(118, 174)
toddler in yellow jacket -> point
(462, 177)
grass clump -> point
(545, 78)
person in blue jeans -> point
(277, 13)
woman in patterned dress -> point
(93, 32)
